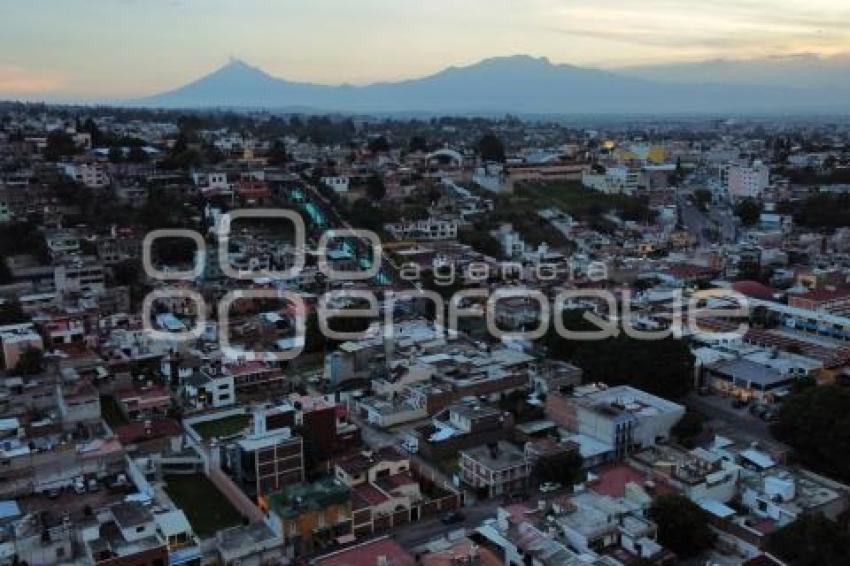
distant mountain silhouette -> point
(517, 84)
(805, 69)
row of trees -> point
(661, 367)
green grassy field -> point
(206, 508)
(226, 426)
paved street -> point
(734, 423)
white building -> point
(92, 175)
(428, 230)
(747, 181)
(615, 180)
(339, 184)
(624, 417)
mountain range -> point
(523, 84)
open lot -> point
(206, 508)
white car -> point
(549, 487)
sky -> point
(111, 49)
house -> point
(144, 403)
(311, 516)
(833, 300)
(16, 339)
(384, 493)
(461, 426)
(383, 551)
(495, 469)
(249, 545)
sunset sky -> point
(100, 49)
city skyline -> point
(126, 49)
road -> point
(719, 225)
(737, 424)
(329, 208)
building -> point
(77, 400)
(144, 403)
(249, 545)
(16, 339)
(622, 417)
(495, 469)
(614, 180)
(311, 516)
(745, 379)
(91, 174)
(265, 461)
(383, 551)
(747, 181)
(430, 229)
(459, 427)
(209, 389)
(384, 493)
(828, 299)
(339, 184)
(132, 533)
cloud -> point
(16, 80)
(678, 29)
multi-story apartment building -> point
(495, 468)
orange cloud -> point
(15, 80)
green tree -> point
(12, 313)
(682, 525)
(816, 423)
(137, 155)
(418, 143)
(689, 427)
(811, 540)
(277, 154)
(703, 198)
(375, 188)
(564, 469)
(748, 210)
(30, 362)
(491, 148)
(379, 144)
(116, 154)
(661, 367)
(59, 144)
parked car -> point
(549, 486)
(452, 518)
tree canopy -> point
(12, 313)
(491, 148)
(564, 468)
(30, 362)
(682, 525)
(816, 423)
(811, 540)
(375, 188)
(748, 210)
(661, 367)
